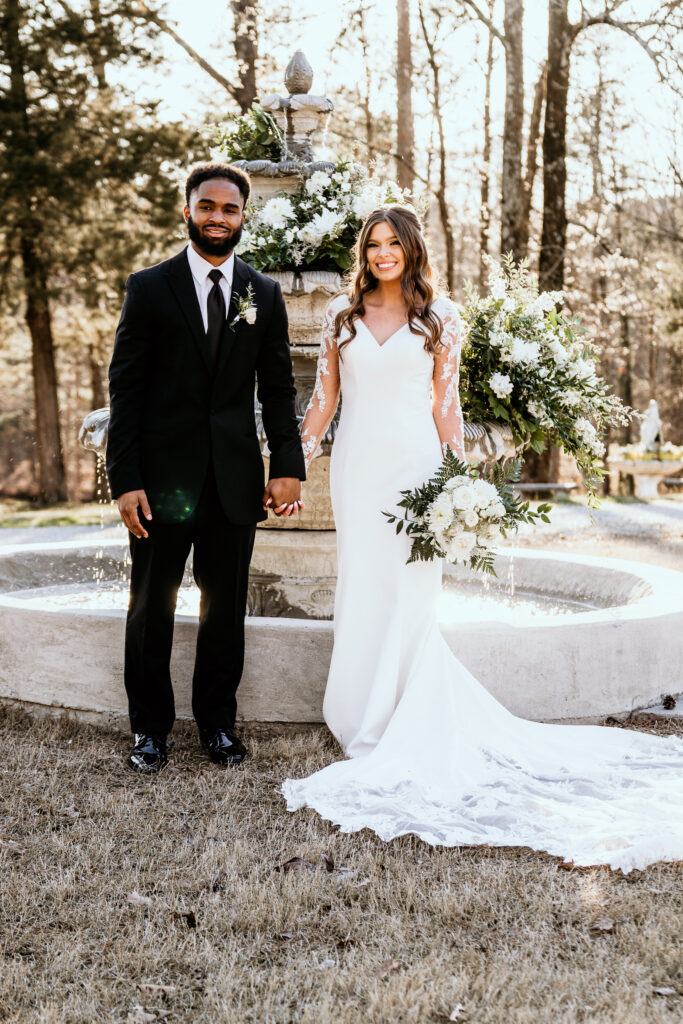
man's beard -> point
(213, 246)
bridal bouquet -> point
(461, 511)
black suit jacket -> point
(173, 411)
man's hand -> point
(128, 507)
(283, 496)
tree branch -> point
(486, 20)
(204, 65)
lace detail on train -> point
(430, 751)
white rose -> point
(250, 315)
(471, 519)
(500, 384)
(463, 499)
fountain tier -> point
(621, 651)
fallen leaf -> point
(387, 968)
(663, 990)
(457, 1013)
(136, 900)
(140, 1016)
(295, 864)
(11, 848)
(148, 989)
(602, 925)
(71, 811)
(187, 916)
(328, 862)
(668, 702)
(569, 865)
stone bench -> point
(531, 488)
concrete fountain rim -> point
(661, 589)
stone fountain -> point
(584, 637)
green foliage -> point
(86, 171)
(527, 365)
(251, 136)
(428, 542)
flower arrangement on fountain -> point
(527, 365)
(315, 228)
(461, 511)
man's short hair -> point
(205, 172)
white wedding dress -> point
(430, 751)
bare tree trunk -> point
(367, 69)
(485, 173)
(531, 162)
(405, 134)
(554, 232)
(246, 51)
(511, 206)
(441, 192)
(51, 473)
(51, 476)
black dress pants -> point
(222, 552)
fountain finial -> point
(298, 74)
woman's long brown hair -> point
(416, 281)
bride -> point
(430, 751)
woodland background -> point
(553, 132)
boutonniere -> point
(246, 308)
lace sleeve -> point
(445, 396)
(325, 397)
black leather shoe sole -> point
(145, 765)
(223, 757)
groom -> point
(184, 462)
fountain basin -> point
(620, 650)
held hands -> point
(283, 496)
(128, 507)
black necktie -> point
(215, 312)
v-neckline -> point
(381, 344)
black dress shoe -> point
(224, 746)
(148, 754)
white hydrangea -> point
(524, 353)
(585, 369)
(320, 226)
(318, 182)
(501, 385)
(366, 201)
(558, 352)
(589, 435)
(277, 211)
(498, 288)
(571, 399)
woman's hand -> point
(283, 496)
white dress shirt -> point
(203, 284)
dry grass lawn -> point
(134, 899)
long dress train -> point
(430, 751)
